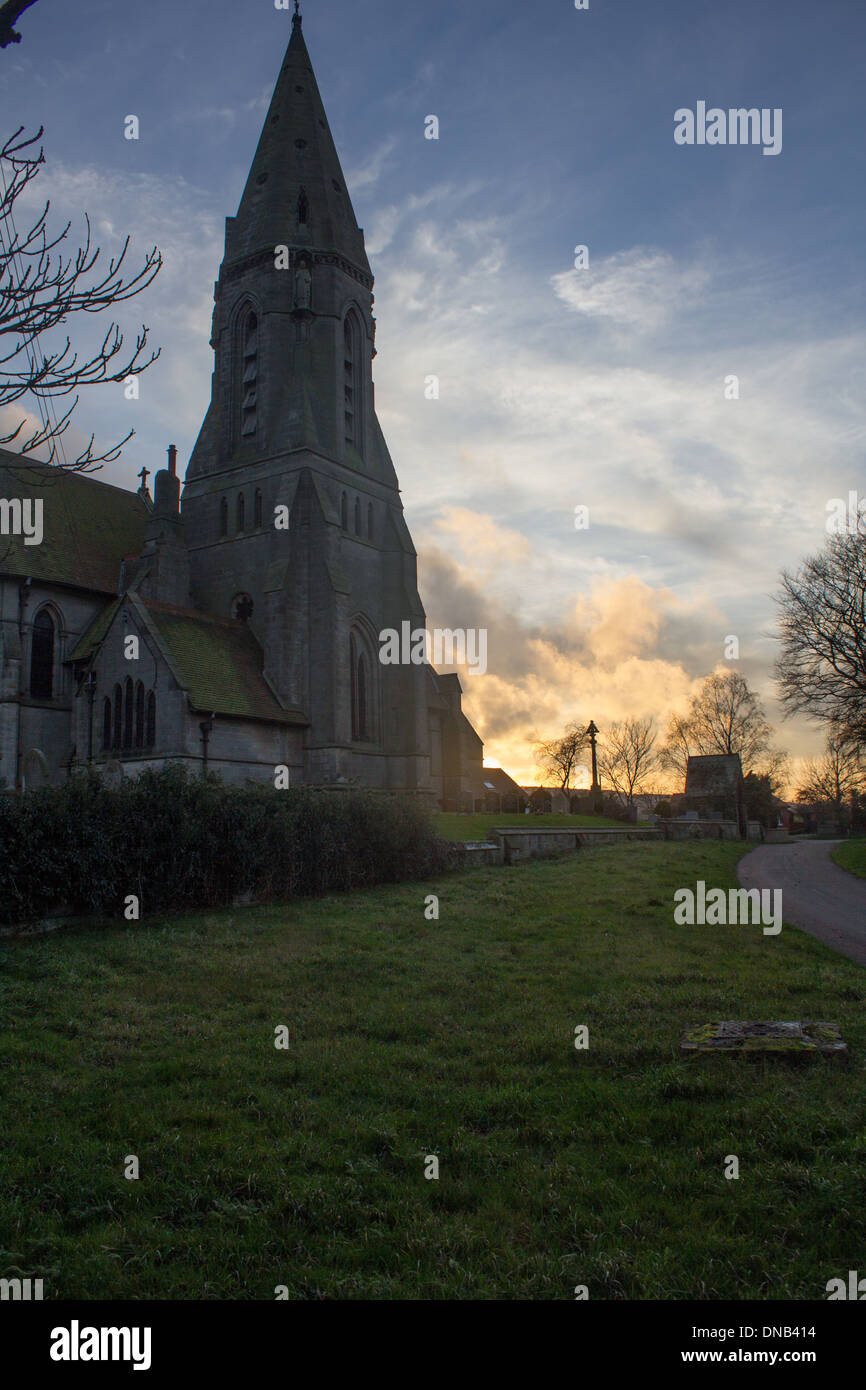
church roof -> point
(88, 526)
(219, 663)
(296, 157)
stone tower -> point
(291, 508)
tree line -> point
(820, 673)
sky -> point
(604, 386)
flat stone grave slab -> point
(781, 1038)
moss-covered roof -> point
(93, 636)
(219, 663)
(89, 527)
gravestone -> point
(781, 1038)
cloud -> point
(596, 654)
(369, 171)
(639, 289)
(696, 501)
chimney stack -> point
(172, 460)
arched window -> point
(363, 732)
(352, 379)
(249, 384)
(361, 676)
(42, 657)
(127, 712)
(303, 208)
(357, 517)
(224, 517)
(241, 511)
(106, 725)
(139, 715)
(344, 512)
(257, 510)
(117, 735)
(150, 724)
(353, 677)
(369, 521)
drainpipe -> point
(90, 686)
(206, 731)
(23, 595)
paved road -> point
(817, 895)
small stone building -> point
(715, 789)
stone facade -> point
(715, 786)
(240, 623)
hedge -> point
(180, 841)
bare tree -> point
(560, 758)
(725, 716)
(677, 749)
(9, 13)
(39, 290)
(627, 756)
(822, 667)
(835, 777)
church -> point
(234, 625)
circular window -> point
(300, 144)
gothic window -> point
(303, 208)
(353, 676)
(117, 735)
(127, 713)
(250, 378)
(369, 521)
(224, 517)
(150, 723)
(352, 379)
(344, 512)
(257, 510)
(357, 517)
(42, 657)
(363, 732)
(106, 725)
(139, 715)
(361, 675)
(241, 511)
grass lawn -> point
(851, 855)
(409, 1037)
(451, 826)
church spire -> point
(296, 193)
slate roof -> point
(89, 526)
(496, 779)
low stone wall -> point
(516, 844)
